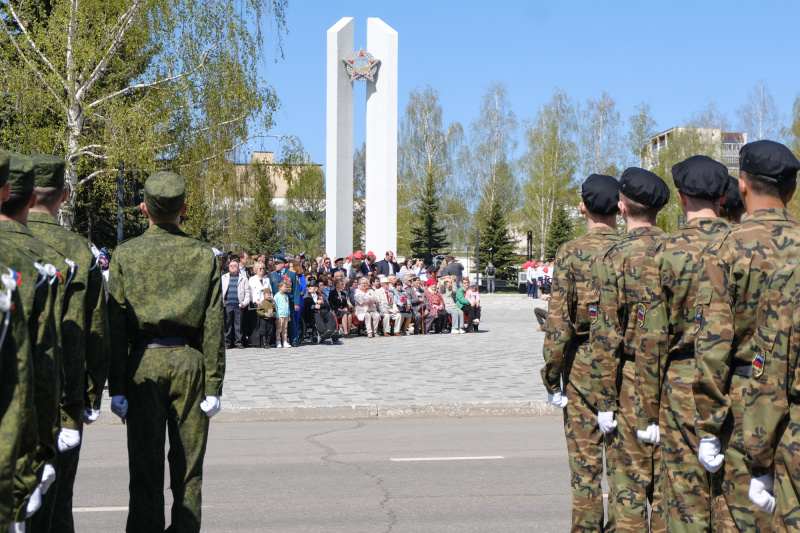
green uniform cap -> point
(164, 193)
(48, 170)
(20, 173)
(4, 161)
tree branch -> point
(34, 47)
(237, 119)
(97, 173)
(34, 69)
(237, 145)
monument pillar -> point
(381, 182)
(339, 143)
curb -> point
(410, 411)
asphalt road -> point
(479, 475)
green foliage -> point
(792, 134)
(561, 231)
(262, 227)
(359, 196)
(549, 163)
(681, 144)
(305, 213)
(496, 242)
(642, 128)
(429, 239)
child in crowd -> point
(266, 310)
(475, 300)
(283, 316)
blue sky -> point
(675, 55)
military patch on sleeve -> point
(758, 363)
(593, 313)
(640, 316)
(698, 318)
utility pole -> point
(477, 257)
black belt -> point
(628, 357)
(742, 368)
(682, 356)
(165, 342)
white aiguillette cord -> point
(10, 283)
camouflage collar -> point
(12, 226)
(44, 218)
(770, 214)
(650, 230)
(602, 230)
(705, 221)
(163, 228)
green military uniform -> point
(567, 354)
(771, 419)
(47, 351)
(665, 362)
(85, 343)
(567, 357)
(616, 278)
(732, 274)
(167, 356)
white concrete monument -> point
(378, 68)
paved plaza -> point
(492, 373)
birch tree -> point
(709, 117)
(427, 148)
(600, 141)
(642, 128)
(146, 84)
(760, 116)
(549, 164)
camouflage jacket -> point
(668, 291)
(568, 322)
(46, 351)
(147, 300)
(773, 382)
(732, 275)
(615, 280)
(85, 344)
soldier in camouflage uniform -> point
(35, 470)
(167, 357)
(732, 208)
(567, 359)
(731, 279)
(665, 364)
(85, 343)
(771, 419)
(16, 373)
(615, 279)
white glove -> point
(36, 500)
(606, 422)
(708, 454)
(762, 492)
(558, 399)
(16, 527)
(90, 415)
(119, 406)
(211, 405)
(48, 476)
(68, 439)
(651, 434)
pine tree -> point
(560, 232)
(428, 237)
(262, 230)
(496, 244)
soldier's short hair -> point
(16, 204)
(768, 186)
(638, 211)
(48, 196)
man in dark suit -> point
(325, 267)
(338, 266)
(282, 272)
(388, 266)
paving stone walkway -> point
(491, 373)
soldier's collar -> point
(12, 226)
(44, 218)
(649, 230)
(771, 214)
(704, 221)
(602, 230)
(165, 228)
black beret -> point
(701, 177)
(600, 194)
(164, 193)
(644, 187)
(768, 158)
(733, 202)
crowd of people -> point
(270, 301)
(675, 356)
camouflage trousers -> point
(585, 447)
(632, 473)
(732, 509)
(165, 387)
(56, 511)
(787, 475)
(685, 488)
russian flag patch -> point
(758, 364)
